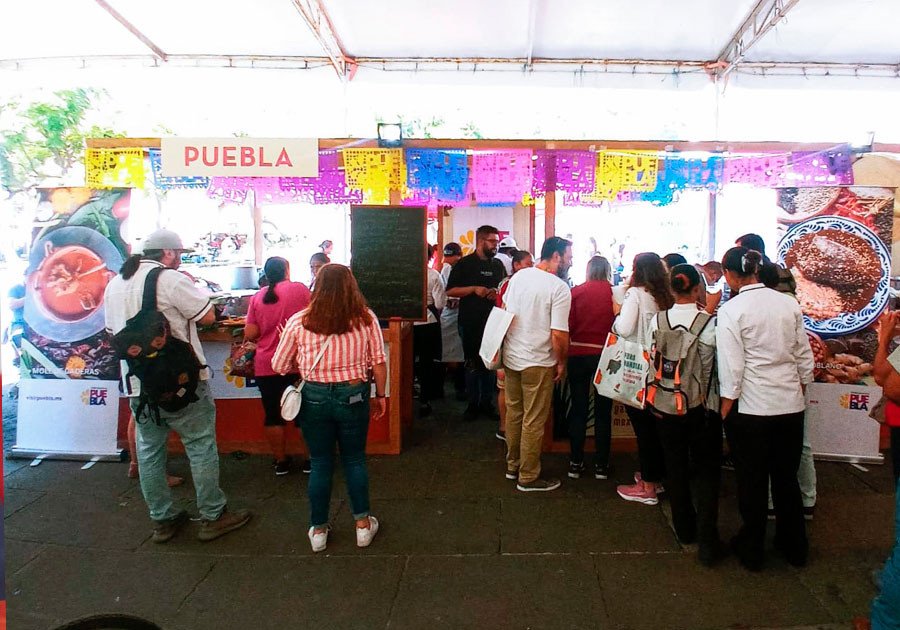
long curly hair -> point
(650, 274)
(337, 306)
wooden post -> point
(549, 217)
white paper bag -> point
(622, 371)
(494, 333)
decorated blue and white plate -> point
(852, 320)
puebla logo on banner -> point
(240, 157)
(855, 401)
(95, 397)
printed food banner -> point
(68, 395)
(77, 249)
(467, 219)
(837, 244)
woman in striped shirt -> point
(336, 394)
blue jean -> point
(332, 414)
(196, 425)
(886, 607)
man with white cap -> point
(184, 306)
(504, 253)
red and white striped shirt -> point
(349, 356)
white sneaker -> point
(318, 541)
(365, 536)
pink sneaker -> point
(659, 487)
(641, 492)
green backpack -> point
(678, 383)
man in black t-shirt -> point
(474, 280)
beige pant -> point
(529, 395)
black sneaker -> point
(539, 485)
(164, 531)
(501, 435)
(576, 470)
(306, 467)
(512, 475)
(601, 471)
(283, 467)
(471, 413)
(727, 462)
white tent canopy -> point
(651, 36)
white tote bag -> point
(494, 333)
(622, 372)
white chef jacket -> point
(763, 351)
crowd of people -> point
(727, 365)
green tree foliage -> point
(45, 139)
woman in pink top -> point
(269, 309)
(590, 321)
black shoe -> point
(501, 435)
(711, 555)
(471, 413)
(425, 410)
(539, 485)
(306, 467)
(283, 467)
(601, 471)
(728, 462)
(809, 512)
(576, 470)
(164, 531)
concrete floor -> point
(459, 548)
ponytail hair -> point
(133, 262)
(743, 262)
(684, 278)
(276, 270)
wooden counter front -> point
(239, 417)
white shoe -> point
(318, 541)
(364, 537)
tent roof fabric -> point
(812, 31)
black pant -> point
(650, 453)
(764, 447)
(693, 439)
(481, 383)
(581, 371)
(427, 350)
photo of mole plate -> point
(842, 271)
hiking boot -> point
(227, 522)
(601, 471)
(365, 536)
(640, 492)
(576, 470)
(283, 467)
(164, 531)
(539, 485)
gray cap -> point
(165, 239)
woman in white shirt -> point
(765, 364)
(648, 293)
(692, 439)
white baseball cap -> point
(508, 241)
(164, 239)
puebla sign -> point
(240, 157)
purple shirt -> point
(293, 297)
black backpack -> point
(167, 367)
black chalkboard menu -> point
(387, 256)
